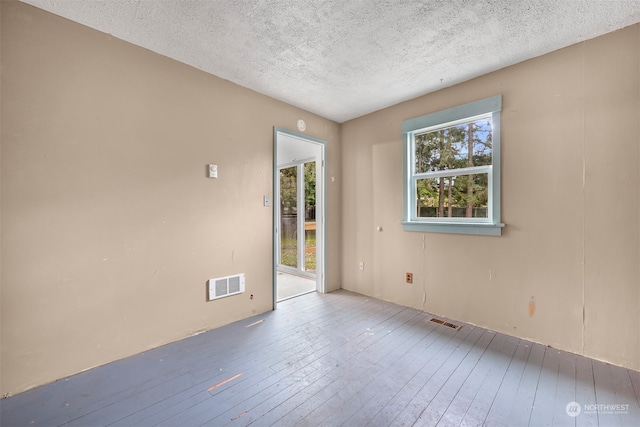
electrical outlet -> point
(409, 278)
(361, 266)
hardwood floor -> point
(339, 359)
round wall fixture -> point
(302, 126)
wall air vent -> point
(226, 286)
(445, 323)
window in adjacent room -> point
(452, 170)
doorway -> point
(298, 215)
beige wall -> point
(110, 228)
(570, 187)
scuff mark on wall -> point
(532, 307)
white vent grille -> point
(226, 286)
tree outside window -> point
(463, 146)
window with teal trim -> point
(452, 170)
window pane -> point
(460, 146)
(452, 196)
(310, 216)
(289, 216)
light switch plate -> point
(213, 171)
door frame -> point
(321, 207)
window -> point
(452, 170)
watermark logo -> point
(573, 409)
(602, 409)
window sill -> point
(482, 229)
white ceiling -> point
(293, 149)
(345, 58)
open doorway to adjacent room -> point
(298, 215)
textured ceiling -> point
(345, 58)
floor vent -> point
(226, 286)
(445, 323)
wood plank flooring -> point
(333, 360)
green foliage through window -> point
(461, 146)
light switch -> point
(266, 201)
(213, 171)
